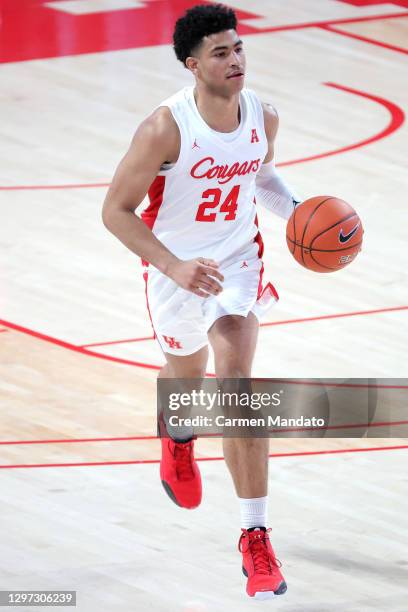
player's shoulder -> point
(267, 107)
(160, 123)
(159, 135)
(270, 112)
(271, 118)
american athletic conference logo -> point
(254, 136)
(207, 168)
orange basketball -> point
(324, 234)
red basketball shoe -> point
(260, 565)
(179, 471)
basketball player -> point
(201, 156)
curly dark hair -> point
(199, 21)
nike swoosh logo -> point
(345, 238)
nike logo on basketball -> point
(345, 238)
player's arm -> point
(273, 192)
(156, 140)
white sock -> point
(254, 512)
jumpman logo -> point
(244, 264)
(195, 145)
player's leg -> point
(182, 368)
(234, 339)
(185, 366)
(179, 471)
(180, 330)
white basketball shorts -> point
(181, 319)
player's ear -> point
(192, 64)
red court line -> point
(335, 316)
(130, 438)
(77, 349)
(85, 351)
(67, 186)
(73, 440)
(319, 24)
(146, 461)
(371, 41)
(397, 119)
(117, 342)
(269, 324)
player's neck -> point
(219, 113)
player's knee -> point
(231, 371)
(188, 371)
(195, 372)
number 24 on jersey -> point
(213, 198)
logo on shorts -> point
(172, 342)
(244, 264)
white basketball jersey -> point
(204, 205)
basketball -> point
(324, 234)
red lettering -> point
(222, 171)
(212, 172)
(254, 136)
(229, 206)
(202, 215)
(198, 164)
(230, 174)
(206, 168)
(172, 342)
(243, 169)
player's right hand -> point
(197, 275)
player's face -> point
(221, 62)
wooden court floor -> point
(81, 503)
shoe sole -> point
(170, 493)
(263, 595)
